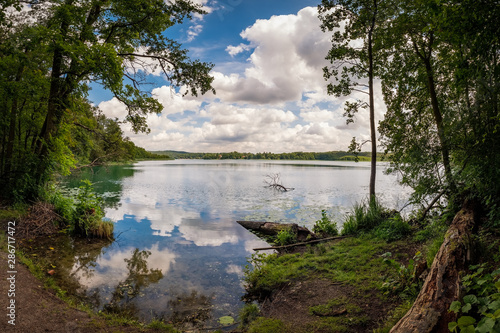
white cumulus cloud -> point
(277, 103)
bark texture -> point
(272, 229)
(430, 313)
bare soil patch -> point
(295, 303)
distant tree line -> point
(323, 156)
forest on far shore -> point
(311, 156)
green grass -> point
(394, 316)
(392, 229)
(353, 261)
(364, 217)
(268, 325)
(335, 305)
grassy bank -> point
(368, 281)
(357, 272)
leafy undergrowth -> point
(365, 284)
(333, 287)
(478, 310)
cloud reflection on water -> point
(184, 214)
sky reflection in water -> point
(179, 252)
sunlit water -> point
(179, 254)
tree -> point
(413, 90)
(441, 87)
(115, 43)
(441, 91)
(354, 66)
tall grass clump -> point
(83, 213)
(248, 314)
(364, 217)
(393, 229)
(432, 233)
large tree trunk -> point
(430, 313)
(426, 56)
(438, 118)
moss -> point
(433, 249)
(268, 325)
(13, 213)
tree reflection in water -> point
(139, 276)
(186, 311)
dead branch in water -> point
(273, 180)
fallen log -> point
(273, 228)
(430, 313)
(300, 244)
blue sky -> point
(270, 92)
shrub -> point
(406, 283)
(89, 214)
(84, 213)
(393, 229)
(64, 206)
(285, 236)
(248, 314)
(479, 309)
(324, 226)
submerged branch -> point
(273, 180)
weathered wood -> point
(273, 228)
(430, 313)
(299, 244)
(273, 181)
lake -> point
(179, 254)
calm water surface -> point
(179, 254)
